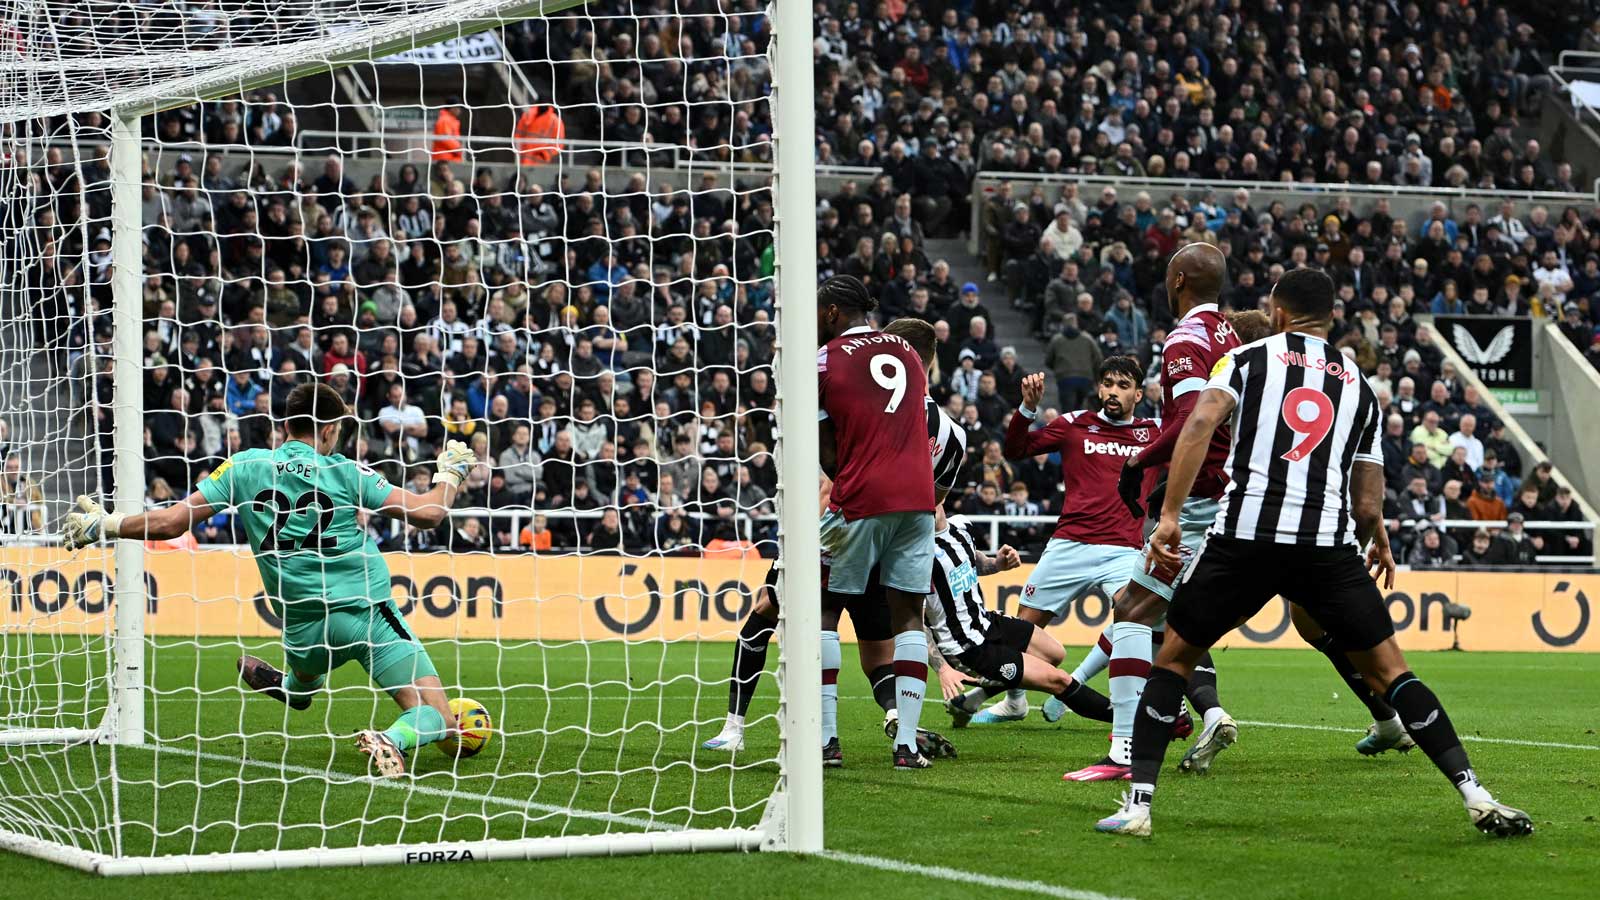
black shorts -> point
(998, 660)
(1231, 580)
(869, 612)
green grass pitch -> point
(1291, 811)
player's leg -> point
(1095, 661)
(294, 688)
(1065, 691)
(1225, 587)
(749, 661)
(869, 614)
(1386, 731)
(1111, 569)
(1060, 575)
(832, 661)
(906, 573)
(1344, 599)
(399, 664)
(1137, 608)
(1218, 730)
(308, 656)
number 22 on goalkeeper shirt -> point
(880, 512)
(323, 576)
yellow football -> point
(473, 728)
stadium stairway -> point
(1011, 327)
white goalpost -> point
(549, 230)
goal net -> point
(548, 231)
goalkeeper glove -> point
(86, 526)
(454, 461)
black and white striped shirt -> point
(1305, 416)
(947, 443)
(954, 611)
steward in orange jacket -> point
(538, 135)
(447, 143)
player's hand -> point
(1165, 543)
(1380, 562)
(1033, 390)
(1007, 558)
(952, 682)
(454, 461)
(86, 526)
(1130, 484)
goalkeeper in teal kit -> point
(324, 577)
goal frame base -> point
(703, 840)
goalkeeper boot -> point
(260, 676)
(1375, 742)
(1499, 820)
(385, 757)
(1212, 741)
(832, 754)
(1132, 818)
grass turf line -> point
(1287, 812)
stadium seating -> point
(604, 355)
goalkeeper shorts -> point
(375, 636)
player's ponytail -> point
(845, 291)
(311, 406)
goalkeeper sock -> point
(1430, 727)
(1086, 701)
(910, 681)
(1094, 662)
(1381, 711)
(416, 726)
(749, 660)
(832, 658)
(882, 678)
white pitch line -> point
(947, 874)
(412, 786)
(887, 865)
(1553, 745)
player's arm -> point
(1022, 441)
(1003, 560)
(1213, 408)
(827, 448)
(1185, 394)
(432, 508)
(90, 522)
(1366, 507)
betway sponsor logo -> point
(1110, 448)
(1332, 367)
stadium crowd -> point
(609, 352)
